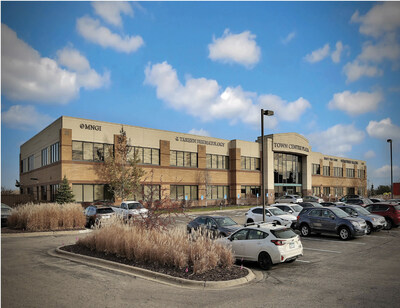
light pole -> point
(391, 169)
(267, 113)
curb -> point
(46, 233)
(150, 275)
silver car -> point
(374, 222)
(289, 199)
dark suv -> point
(330, 220)
(391, 212)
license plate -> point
(106, 216)
(291, 245)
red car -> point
(391, 212)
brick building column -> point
(234, 166)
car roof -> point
(265, 225)
(212, 216)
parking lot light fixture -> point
(263, 113)
(391, 169)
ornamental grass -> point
(170, 247)
(47, 217)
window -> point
(148, 193)
(98, 152)
(361, 173)
(45, 157)
(55, 152)
(337, 171)
(90, 151)
(217, 192)
(217, 161)
(250, 163)
(326, 171)
(327, 191)
(287, 168)
(31, 160)
(250, 191)
(53, 192)
(90, 192)
(183, 159)
(350, 172)
(77, 150)
(181, 192)
(316, 169)
(43, 192)
(338, 191)
(148, 156)
(316, 190)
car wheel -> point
(344, 233)
(305, 230)
(249, 221)
(264, 261)
(369, 228)
(389, 223)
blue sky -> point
(329, 70)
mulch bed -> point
(218, 274)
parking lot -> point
(360, 272)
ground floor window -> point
(215, 192)
(250, 191)
(183, 192)
(327, 191)
(148, 193)
(338, 191)
(351, 191)
(53, 192)
(43, 192)
(316, 190)
(281, 190)
(91, 192)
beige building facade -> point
(200, 170)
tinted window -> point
(201, 220)
(284, 233)
(397, 207)
(383, 207)
(257, 211)
(326, 213)
(240, 235)
(134, 206)
(106, 210)
(256, 235)
(277, 211)
(339, 213)
(225, 221)
(297, 208)
(315, 213)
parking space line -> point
(303, 261)
(323, 250)
(332, 241)
(378, 236)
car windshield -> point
(362, 211)
(135, 206)
(339, 213)
(106, 210)
(225, 221)
(397, 207)
(284, 233)
(276, 211)
(297, 208)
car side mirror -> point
(268, 214)
(230, 238)
(354, 214)
(332, 217)
(290, 211)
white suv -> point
(264, 243)
(272, 214)
(289, 199)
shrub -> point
(47, 217)
(171, 247)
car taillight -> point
(278, 242)
(298, 217)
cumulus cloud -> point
(111, 11)
(25, 118)
(384, 172)
(337, 140)
(356, 103)
(337, 53)
(318, 55)
(386, 49)
(383, 129)
(370, 154)
(355, 70)
(26, 76)
(200, 132)
(288, 38)
(382, 18)
(204, 98)
(91, 30)
(235, 48)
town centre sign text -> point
(200, 141)
(290, 146)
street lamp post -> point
(267, 113)
(391, 169)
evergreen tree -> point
(64, 193)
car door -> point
(238, 243)
(257, 214)
(253, 244)
(269, 217)
(328, 221)
(315, 219)
(212, 226)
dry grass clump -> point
(172, 247)
(47, 217)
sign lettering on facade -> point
(90, 127)
(200, 141)
(290, 146)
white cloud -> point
(91, 30)
(336, 54)
(384, 172)
(199, 132)
(111, 11)
(355, 70)
(337, 140)
(386, 49)
(288, 38)
(25, 118)
(370, 154)
(205, 99)
(26, 76)
(382, 18)
(318, 55)
(356, 103)
(383, 129)
(235, 48)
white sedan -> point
(264, 243)
(272, 214)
